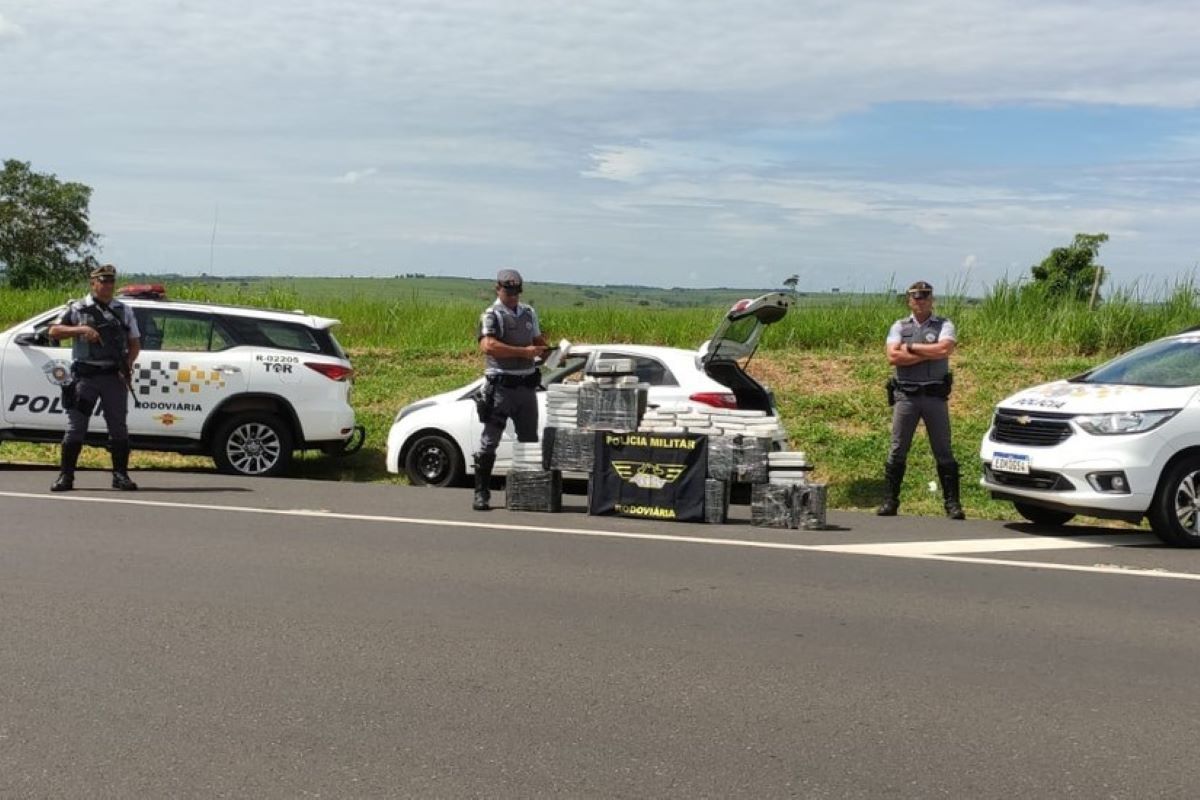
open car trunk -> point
(724, 357)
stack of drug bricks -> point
(740, 448)
(739, 441)
(530, 486)
(788, 499)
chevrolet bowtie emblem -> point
(1024, 419)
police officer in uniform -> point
(511, 339)
(919, 347)
(106, 343)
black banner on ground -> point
(648, 475)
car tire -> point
(256, 445)
(1043, 516)
(434, 460)
(1175, 512)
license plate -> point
(1010, 462)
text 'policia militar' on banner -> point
(644, 475)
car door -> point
(188, 366)
(34, 367)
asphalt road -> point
(221, 637)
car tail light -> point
(335, 372)
(718, 399)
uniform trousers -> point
(911, 409)
(518, 403)
(110, 391)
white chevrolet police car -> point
(246, 386)
(1120, 441)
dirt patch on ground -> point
(810, 372)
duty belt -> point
(939, 389)
(85, 370)
(513, 381)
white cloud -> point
(9, 29)
(356, 175)
(802, 59)
(631, 163)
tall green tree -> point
(45, 234)
(791, 282)
(1070, 271)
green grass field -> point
(412, 337)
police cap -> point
(508, 277)
(103, 271)
(920, 286)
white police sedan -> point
(1121, 441)
(431, 440)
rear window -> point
(284, 336)
(649, 370)
(741, 330)
(185, 331)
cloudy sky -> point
(662, 142)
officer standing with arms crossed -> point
(919, 348)
(106, 343)
(510, 339)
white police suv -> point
(246, 386)
(1121, 441)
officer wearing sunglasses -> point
(510, 339)
(919, 349)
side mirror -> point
(35, 339)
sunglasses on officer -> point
(511, 288)
(920, 295)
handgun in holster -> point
(890, 388)
(485, 400)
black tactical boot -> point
(120, 470)
(483, 478)
(893, 476)
(948, 475)
(65, 481)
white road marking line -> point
(445, 523)
(867, 550)
(1006, 545)
(1102, 569)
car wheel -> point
(434, 460)
(1043, 516)
(259, 445)
(1175, 512)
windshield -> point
(1169, 363)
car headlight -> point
(1124, 422)
(404, 412)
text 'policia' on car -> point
(247, 386)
